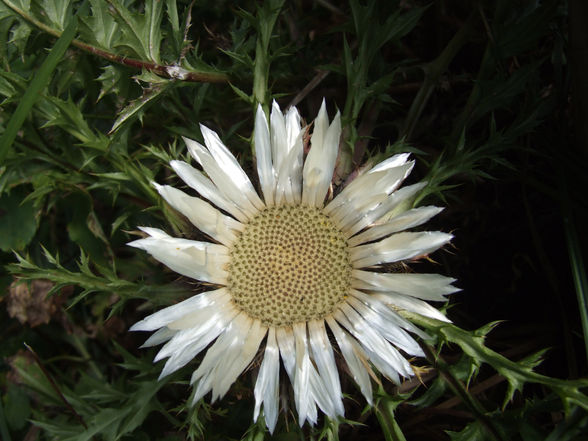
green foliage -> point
(35, 87)
(94, 99)
(18, 221)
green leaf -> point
(110, 80)
(11, 86)
(32, 376)
(517, 374)
(18, 221)
(472, 432)
(384, 409)
(57, 11)
(177, 34)
(100, 27)
(136, 108)
(67, 115)
(17, 407)
(84, 229)
(38, 83)
(105, 421)
(141, 32)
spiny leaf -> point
(110, 79)
(136, 108)
(67, 115)
(57, 11)
(141, 32)
(473, 432)
(517, 374)
(100, 28)
(11, 86)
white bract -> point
(293, 270)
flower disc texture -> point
(295, 271)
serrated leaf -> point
(135, 108)
(57, 11)
(104, 422)
(517, 374)
(118, 222)
(67, 116)
(110, 81)
(241, 94)
(432, 393)
(141, 32)
(149, 77)
(100, 27)
(11, 86)
(19, 35)
(142, 404)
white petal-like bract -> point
(294, 269)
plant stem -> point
(166, 71)
(390, 428)
(460, 390)
(55, 387)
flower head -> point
(293, 268)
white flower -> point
(292, 268)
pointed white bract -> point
(208, 219)
(372, 214)
(320, 162)
(198, 260)
(263, 152)
(267, 386)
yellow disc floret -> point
(290, 264)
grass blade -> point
(38, 83)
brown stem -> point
(168, 71)
(55, 387)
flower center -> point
(290, 264)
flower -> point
(292, 267)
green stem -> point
(260, 76)
(472, 343)
(267, 14)
(385, 414)
(460, 390)
(56, 387)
